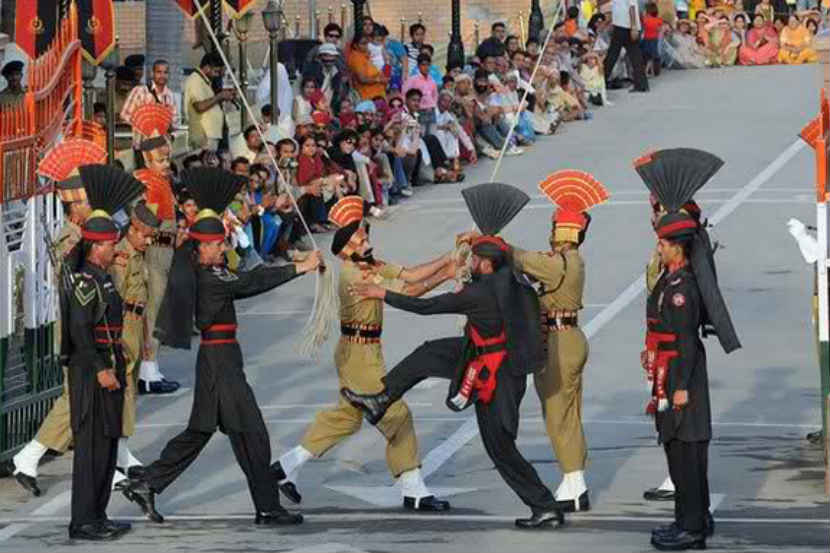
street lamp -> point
(109, 64)
(272, 18)
(358, 16)
(241, 26)
(455, 51)
(536, 21)
(88, 73)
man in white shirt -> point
(285, 94)
(625, 18)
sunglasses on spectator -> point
(350, 141)
(333, 35)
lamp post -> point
(272, 18)
(88, 73)
(357, 15)
(455, 50)
(109, 64)
(536, 21)
(241, 26)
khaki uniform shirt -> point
(129, 273)
(10, 98)
(366, 311)
(206, 125)
(562, 276)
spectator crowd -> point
(372, 116)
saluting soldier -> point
(129, 273)
(360, 364)
(60, 165)
(684, 304)
(222, 397)
(561, 274)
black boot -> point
(120, 527)
(679, 541)
(709, 525)
(656, 494)
(667, 530)
(545, 519)
(429, 503)
(140, 493)
(287, 487)
(374, 406)
(29, 483)
(581, 503)
(278, 517)
(94, 531)
(815, 437)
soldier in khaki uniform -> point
(129, 274)
(61, 165)
(561, 274)
(360, 364)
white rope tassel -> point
(325, 308)
(324, 313)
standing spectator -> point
(652, 24)
(511, 45)
(332, 33)
(626, 34)
(303, 107)
(204, 111)
(285, 94)
(251, 146)
(434, 70)
(14, 91)
(156, 91)
(494, 44)
(368, 81)
(377, 47)
(331, 79)
(417, 32)
(429, 93)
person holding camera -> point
(204, 106)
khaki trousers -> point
(360, 368)
(560, 391)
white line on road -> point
(715, 500)
(328, 405)
(49, 508)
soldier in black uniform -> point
(96, 381)
(684, 304)
(222, 397)
(502, 344)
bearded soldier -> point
(684, 304)
(129, 273)
(60, 165)
(222, 397)
(359, 360)
(500, 347)
(152, 122)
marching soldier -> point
(129, 273)
(222, 397)
(60, 165)
(359, 361)
(685, 303)
(561, 274)
(152, 122)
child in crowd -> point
(652, 24)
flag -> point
(96, 26)
(35, 24)
(189, 7)
(238, 7)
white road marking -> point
(387, 311)
(327, 405)
(49, 508)
(427, 519)
(715, 500)
(328, 548)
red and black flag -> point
(35, 25)
(189, 7)
(239, 7)
(96, 26)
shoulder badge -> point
(223, 274)
(84, 290)
(678, 299)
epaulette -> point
(85, 288)
(223, 274)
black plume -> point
(715, 311)
(676, 174)
(493, 205)
(212, 188)
(108, 187)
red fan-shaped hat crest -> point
(347, 211)
(63, 160)
(151, 120)
(573, 190)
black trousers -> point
(688, 467)
(497, 420)
(621, 38)
(93, 465)
(253, 454)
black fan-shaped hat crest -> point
(212, 188)
(493, 205)
(675, 175)
(109, 188)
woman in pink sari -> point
(761, 46)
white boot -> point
(149, 371)
(667, 485)
(125, 456)
(572, 493)
(416, 495)
(26, 461)
(292, 461)
(117, 478)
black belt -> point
(360, 332)
(135, 308)
(558, 323)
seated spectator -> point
(463, 107)
(340, 154)
(331, 78)
(450, 134)
(310, 99)
(313, 179)
(592, 76)
(250, 147)
(364, 113)
(515, 109)
(239, 166)
(390, 185)
(428, 90)
(491, 132)
(285, 93)
(432, 155)
(347, 116)
(566, 103)
(721, 44)
(368, 81)
(571, 25)
(682, 50)
(511, 45)
(795, 44)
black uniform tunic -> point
(94, 321)
(498, 420)
(222, 397)
(675, 307)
